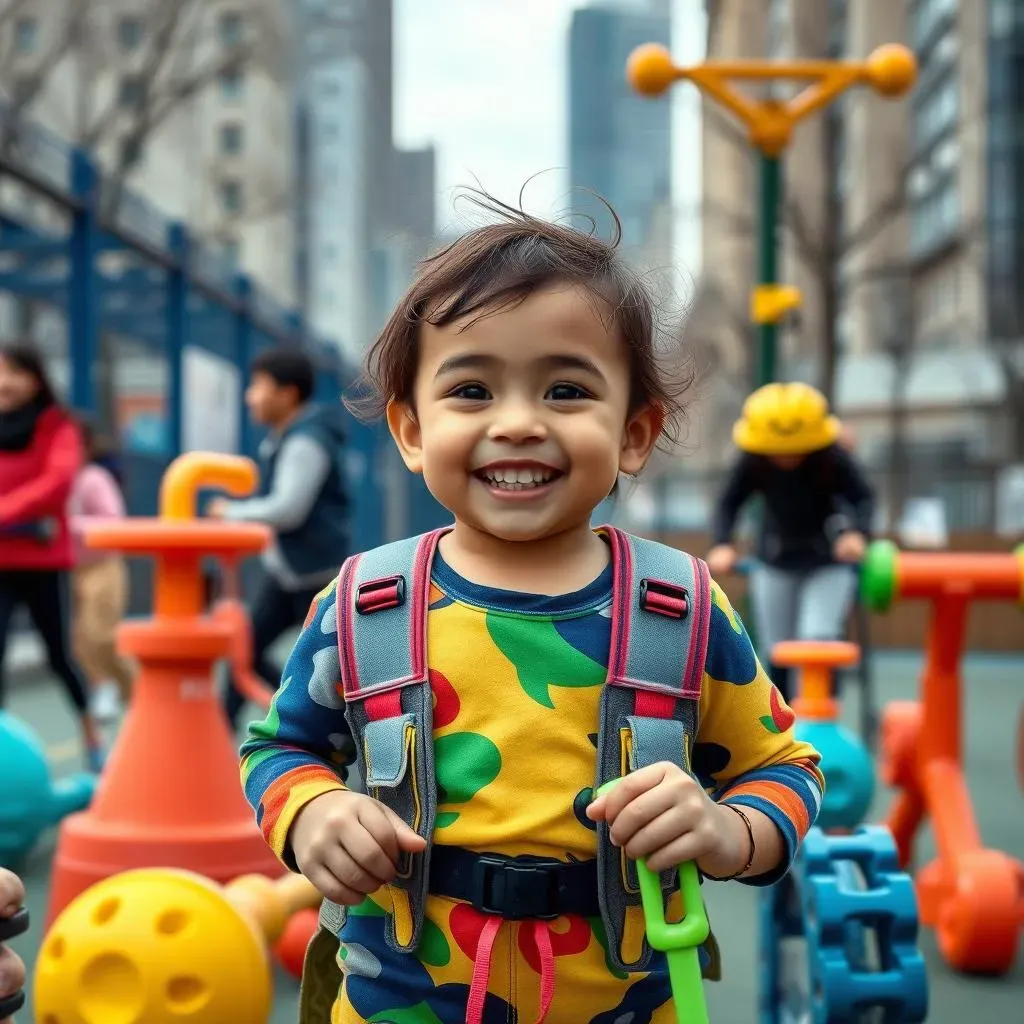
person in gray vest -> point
(303, 499)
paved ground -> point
(996, 688)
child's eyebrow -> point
(483, 361)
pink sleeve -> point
(96, 496)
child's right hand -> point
(348, 845)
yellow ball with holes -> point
(785, 419)
(152, 946)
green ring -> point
(878, 575)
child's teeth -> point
(513, 479)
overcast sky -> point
(485, 81)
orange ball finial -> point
(891, 69)
(650, 69)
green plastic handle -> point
(680, 941)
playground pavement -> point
(994, 692)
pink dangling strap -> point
(482, 969)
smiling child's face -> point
(522, 421)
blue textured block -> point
(859, 924)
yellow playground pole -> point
(890, 70)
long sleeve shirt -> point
(94, 498)
(517, 681)
(35, 484)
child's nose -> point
(517, 421)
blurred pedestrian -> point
(40, 455)
(816, 518)
(304, 501)
(100, 580)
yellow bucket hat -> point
(785, 419)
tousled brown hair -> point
(497, 266)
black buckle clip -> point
(664, 599)
(379, 595)
(516, 891)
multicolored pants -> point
(526, 971)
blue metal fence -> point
(135, 282)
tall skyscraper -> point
(620, 143)
(1005, 158)
(361, 204)
(336, 150)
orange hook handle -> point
(267, 904)
(188, 473)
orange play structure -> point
(170, 795)
(972, 896)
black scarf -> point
(18, 427)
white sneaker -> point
(106, 703)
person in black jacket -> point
(816, 517)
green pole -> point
(768, 259)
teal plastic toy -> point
(30, 801)
(849, 773)
(680, 941)
(845, 761)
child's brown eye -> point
(566, 393)
(471, 392)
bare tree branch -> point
(32, 84)
(812, 250)
(726, 128)
(11, 10)
(737, 223)
(163, 18)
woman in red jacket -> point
(40, 454)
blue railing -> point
(164, 292)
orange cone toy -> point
(170, 795)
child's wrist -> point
(736, 849)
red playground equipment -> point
(972, 896)
(170, 795)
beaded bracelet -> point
(750, 859)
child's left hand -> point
(661, 814)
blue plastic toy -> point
(30, 801)
(839, 935)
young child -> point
(100, 580)
(817, 515)
(519, 376)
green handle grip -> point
(680, 941)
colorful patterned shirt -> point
(517, 681)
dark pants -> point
(46, 593)
(274, 610)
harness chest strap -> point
(649, 706)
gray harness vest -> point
(649, 706)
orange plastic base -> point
(171, 794)
(973, 897)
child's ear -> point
(639, 438)
(406, 431)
